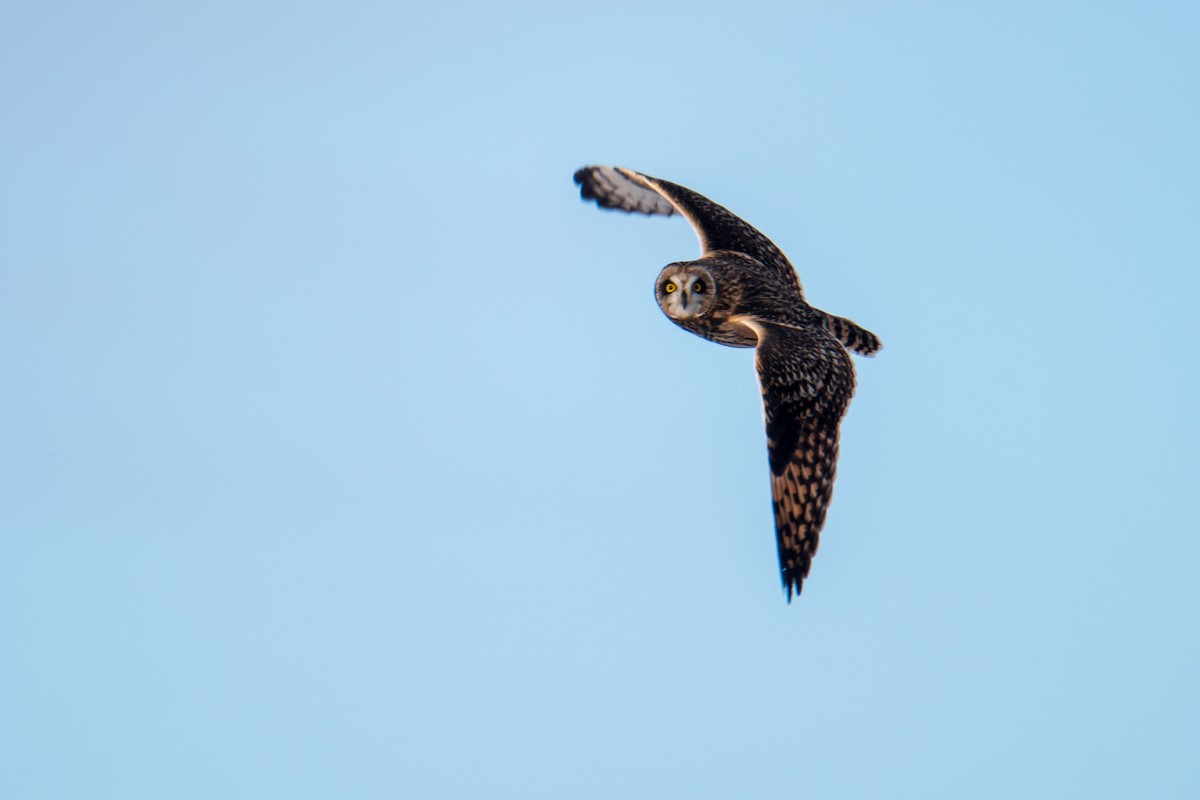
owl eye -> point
(669, 287)
(698, 287)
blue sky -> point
(346, 454)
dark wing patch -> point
(715, 226)
(807, 380)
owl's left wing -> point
(716, 227)
(807, 381)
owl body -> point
(736, 292)
(743, 292)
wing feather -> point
(807, 381)
(715, 226)
(622, 189)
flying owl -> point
(743, 292)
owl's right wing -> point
(807, 380)
(715, 226)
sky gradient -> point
(346, 453)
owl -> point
(743, 292)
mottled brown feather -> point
(807, 380)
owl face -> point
(685, 291)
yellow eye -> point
(669, 287)
(698, 287)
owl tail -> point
(856, 339)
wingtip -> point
(790, 583)
(622, 189)
(587, 184)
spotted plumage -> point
(743, 292)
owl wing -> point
(715, 226)
(807, 380)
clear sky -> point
(345, 453)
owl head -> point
(685, 290)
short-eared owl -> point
(743, 292)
